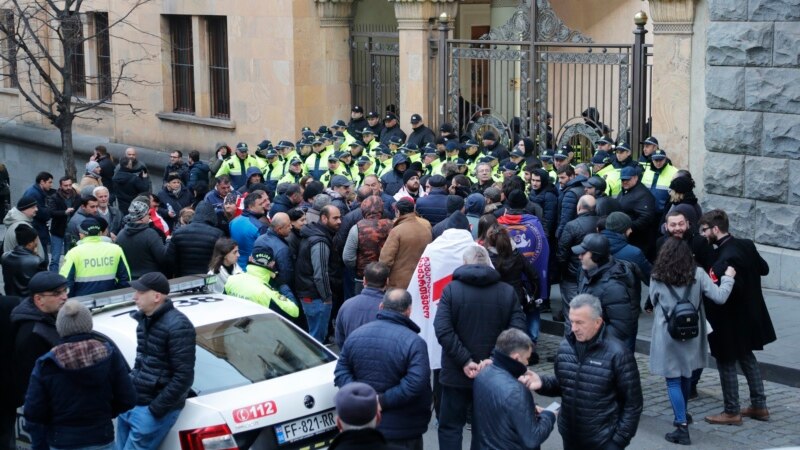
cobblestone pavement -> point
(783, 429)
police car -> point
(260, 382)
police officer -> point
(391, 129)
(315, 164)
(368, 138)
(604, 144)
(601, 166)
(412, 152)
(374, 123)
(431, 162)
(95, 264)
(623, 157)
(364, 165)
(383, 160)
(563, 156)
(273, 170)
(294, 172)
(256, 284)
(357, 120)
(547, 164)
(334, 168)
(657, 178)
(236, 166)
(518, 158)
(650, 145)
(421, 135)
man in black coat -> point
(391, 129)
(639, 204)
(474, 309)
(598, 381)
(357, 416)
(742, 324)
(191, 246)
(569, 264)
(7, 400)
(421, 135)
(22, 263)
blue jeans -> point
(318, 315)
(533, 324)
(678, 391)
(138, 429)
(56, 250)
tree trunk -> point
(67, 152)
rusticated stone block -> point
(724, 174)
(794, 185)
(725, 87)
(781, 136)
(733, 131)
(739, 44)
(787, 44)
(739, 210)
(772, 90)
(727, 10)
(766, 179)
(777, 10)
(777, 224)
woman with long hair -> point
(676, 276)
(515, 270)
(484, 224)
(223, 262)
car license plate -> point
(299, 429)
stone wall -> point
(752, 125)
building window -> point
(103, 55)
(78, 62)
(182, 64)
(9, 49)
(218, 67)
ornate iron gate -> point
(519, 84)
(374, 58)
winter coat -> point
(114, 218)
(143, 248)
(284, 260)
(392, 180)
(75, 391)
(43, 212)
(107, 172)
(672, 358)
(365, 438)
(507, 417)
(19, 266)
(473, 310)
(388, 132)
(245, 229)
(254, 285)
(605, 205)
(281, 203)
(95, 265)
(165, 354)
(222, 276)
(190, 249)
(198, 172)
(177, 201)
(181, 170)
(609, 283)
(403, 248)
(314, 262)
(420, 136)
(72, 234)
(573, 234)
(601, 395)
(547, 198)
(12, 220)
(58, 225)
(8, 395)
(512, 270)
(568, 202)
(388, 355)
(623, 251)
(433, 207)
(527, 236)
(128, 184)
(357, 311)
(640, 205)
(34, 334)
(743, 323)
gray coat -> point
(671, 358)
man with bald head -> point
(573, 233)
(275, 238)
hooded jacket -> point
(473, 310)
(640, 205)
(568, 202)
(34, 334)
(609, 283)
(573, 234)
(253, 170)
(314, 261)
(474, 205)
(528, 237)
(622, 250)
(43, 212)
(128, 184)
(76, 389)
(393, 180)
(190, 249)
(12, 220)
(198, 172)
(547, 198)
(19, 266)
(143, 248)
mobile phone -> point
(553, 407)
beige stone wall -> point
(609, 21)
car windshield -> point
(250, 349)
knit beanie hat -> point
(454, 203)
(90, 166)
(682, 185)
(137, 210)
(73, 318)
(618, 222)
(408, 175)
(517, 199)
(26, 202)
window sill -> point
(204, 121)
(9, 91)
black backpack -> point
(683, 323)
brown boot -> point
(724, 418)
(756, 413)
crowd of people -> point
(336, 232)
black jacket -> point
(305, 283)
(365, 438)
(573, 234)
(568, 202)
(191, 246)
(165, 353)
(433, 207)
(34, 334)
(392, 180)
(143, 248)
(19, 266)
(610, 283)
(474, 309)
(507, 418)
(601, 395)
(640, 205)
(388, 132)
(512, 270)
(281, 203)
(128, 185)
(547, 199)
(420, 136)
(183, 199)
(58, 211)
(107, 173)
(7, 392)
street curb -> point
(789, 376)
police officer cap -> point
(338, 135)
(489, 135)
(372, 115)
(241, 147)
(659, 154)
(343, 155)
(397, 140)
(357, 143)
(307, 142)
(510, 165)
(271, 153)
(333, 157)
(410, 148)
(322, 130)
(601, 157)
(603, 141)
(357, 109)
(318, 141)
(446, 128)
(285, 144)
(363, 160)
(518, 152)
(452, 146)
(153, 281)
(389, 116)
(327, 137)
(46, 282)
(339, 124)
(91, 226)
(265, 144)
(367, 130)
(415, 119)
(461, 162)
(622, 147)
(596, 182)
(628, 173)
(593, 242)
(307, 134)
(471, 143)
(295, 161)
(429, 150)
(650, 141)
(485, 159)
(384, 150)
(263, 256)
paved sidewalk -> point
(780, 360)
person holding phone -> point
(504, 413)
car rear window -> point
(250, 349)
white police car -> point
(260, 382)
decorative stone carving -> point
(549, 27)
(672, 16)
(416, 14)
(334, 13)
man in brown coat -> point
(405, 244)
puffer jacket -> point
(568, 202)
(165, 353)
(622, 250)
(388, 355)
(284, 260)
(601, 393)
(610, 283)
(474, 309)
(191, 246)
(547, 198)
(19, 266)
(507, 418)
(572, 235)
(33, 334)
(433, 207)
(75, 391)
(393, 180)
(198, 172)
(143, 247)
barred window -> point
(77, 61)
(218, 67)
(182, 64)
(103, 55)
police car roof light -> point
(125, 296)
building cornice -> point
(672, 16)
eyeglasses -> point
(704, 229)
